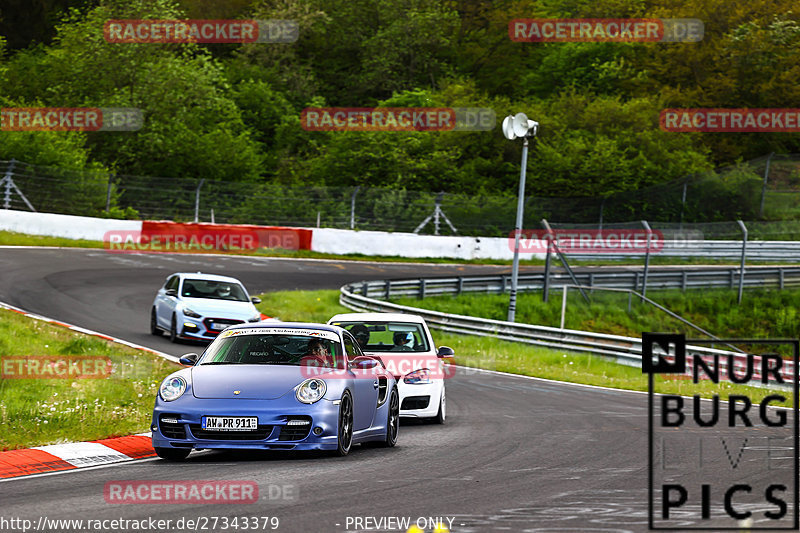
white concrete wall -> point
(339, 241)
(334, 241)
(67, 226)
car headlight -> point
(311, 390)
(172, 388)
(417, 377)
(188, 312)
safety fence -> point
(624, 350)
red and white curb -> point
(74, 455)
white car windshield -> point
(215, 290)
(388, 336)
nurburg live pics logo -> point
(722, 468)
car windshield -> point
(388, 336)
(240, 347)
(215, 290)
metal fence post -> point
(546, 287)
(564, 305)
(744, 253)
(353, 208)
(108, 192)
(646, 256)
(197, 201)
(683, 204)
(764, 185)
(7, 180)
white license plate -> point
(229, 423)
(217, 327)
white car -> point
(199, 306)
(404, 344)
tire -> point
(344, 438)
(173, 330)
(442, 414)
(392, 420)
(154, 330)
(173, 454)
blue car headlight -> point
(311, 390)
(191, 314)
(417, 377)
(172, 388)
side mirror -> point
(255, 300)
(171, 292)
(445, 352)
(364, 363)
(189, 359)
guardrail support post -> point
(564, 306)
(388, 289)
(780, 278)
(636, 280)
(422, 289)
(591, 281)
(460, 286)
(365, 289)
(684, 279)
(744, 253)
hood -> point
(256, 382)
(221, 308)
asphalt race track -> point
(516, 454)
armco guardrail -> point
(625, 350)
(721, 250)
(672, 278)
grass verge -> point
(35, 412)
(517, 358)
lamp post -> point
(518, 126)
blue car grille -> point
(296, 432)
(172, 430)
(260, 434)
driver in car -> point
(403, 341)
(317, 354)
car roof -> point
(287, 325)
(376, 317)
(201, 275)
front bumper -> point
(413, 395)
(274, 433)
(200, 328)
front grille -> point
(172, 430)
(415, 402)
(220, 322)
(260, 434)
(296, 432)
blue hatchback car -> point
(276, 386)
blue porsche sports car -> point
(276, 386)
